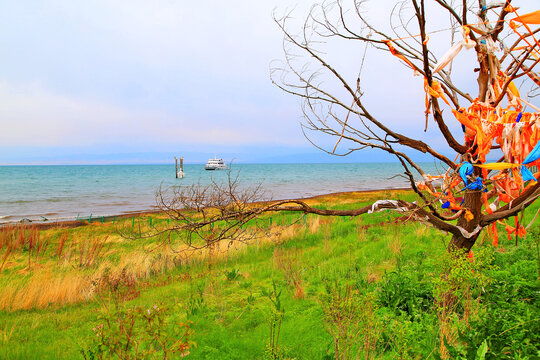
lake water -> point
(71, 191)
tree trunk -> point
(473, 198)
(473, 203)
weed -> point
(457, 291)
(399, 337)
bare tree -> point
(495, 121)
(345, 116)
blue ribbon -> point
(465, 169)
(533, 156)
(476, 185)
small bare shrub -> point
(138, 333)
(291, 265)
(351, 321)
(118, 288)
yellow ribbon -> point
(498, 166)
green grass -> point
(396, 264)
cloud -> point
(33, 116)
(157, 74)
(151, 73)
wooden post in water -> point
(176, 167)
(180, 173)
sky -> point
(133, 81)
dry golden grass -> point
(142, 265)
(421, 230)
(314, 225)
(79, 261)
(375, 273)
(328, 244)
(373, 276)
(45, 289)
(448, 334)
(19, 240)
(354, 197)
(396, 245)
(361, 233)
(288, 232)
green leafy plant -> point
(196, 303)
(404, 294)
(535, 236)
(232, 275)
(510, 326)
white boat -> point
(215, 164)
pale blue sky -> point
(128, 81)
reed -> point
(89, 250)
(15, 239)
(61, 243)
(7, 252)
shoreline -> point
(58, 194)
(68, 223)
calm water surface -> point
(67, 192)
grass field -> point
(311, 288)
